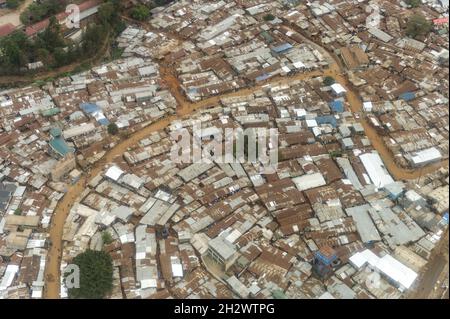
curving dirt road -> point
(52, 272)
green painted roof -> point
(51, 112)
(55, 132)
(60, 146)
(278, 294)
(266, 35)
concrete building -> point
(63, 167)
(222, 251)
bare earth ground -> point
(13, 16)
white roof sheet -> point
(8, 277)
(424, 156)
(387, 265)
(114, 173)
(148, 283)
(337, 88)
(79, 130)
(376, 170)
(368, 106)
(308, 181)
(177, 270)
(311, 123)
(299, 65)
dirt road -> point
(436, 270)
(52, 271)
(13, 17)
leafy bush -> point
(12, 4)
(140, 12)
(113, 129)
(269, 17)
(328, 81)
(417, 25)
(107, 238)
(96, 275)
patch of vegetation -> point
(18, 212)
(109, 15)
(116, 53)
(38, 11)
(49, 46)
(417, 25)
(125, 134)
(107, 238)
(113, 129)
(414, 3)
(39, 83)
(334, 154)
(328, 81)
(96, 275)
(269, 17)
(13, 4)
(140, 12)
(159, 3)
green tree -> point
(417, 25)
(38, 11)
(414, 3)
(51, 38)
(328, 81)
(91, 39)
(107, 238)
(44, 55)
(140, 12)
(12, 4)
(18, 212)
(269, 17)
(113, 129)
(61, 57)
(14, 49)
(107, 12)
(160, 3)
(96, 275)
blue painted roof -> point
(327, 119)
(89, 107)
(445, 217)
(262, 77)
(104, 121)
(283, 47)
(337, 106)
(408, 96)
(325, 260)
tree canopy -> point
(13, 50)
(96, 275)
(414, 3)
(12, 4)
(162, 2)
(38, 11)
(140, 12)
(328, 81)
(417, 25)
(51, 48)
(269, 17)
(113, 129)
